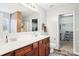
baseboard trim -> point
(76, 53)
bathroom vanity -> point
(22, 34)
(35, 47)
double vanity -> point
(20, 35)
(26, 45)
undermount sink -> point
(12, 40)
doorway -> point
(66, 32)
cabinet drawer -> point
(23, 51)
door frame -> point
(74, 27)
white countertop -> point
(7, 47)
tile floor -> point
(65, 49)
(66, 46)
(61, 53)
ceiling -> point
(12, 7)
(47, 6)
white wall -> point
(40, 15)
(52, 23)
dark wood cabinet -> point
(31, 53)
(23, 51)
(9, 54)
(48, 45)
(46, 42)
(39, 48)
(35, 49)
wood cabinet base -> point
(40, 48)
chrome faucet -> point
(6, 39)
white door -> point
(76, 50)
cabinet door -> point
(35, 48)
(41, 49)
(23, 51)
(47, 49)
(47, 46)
